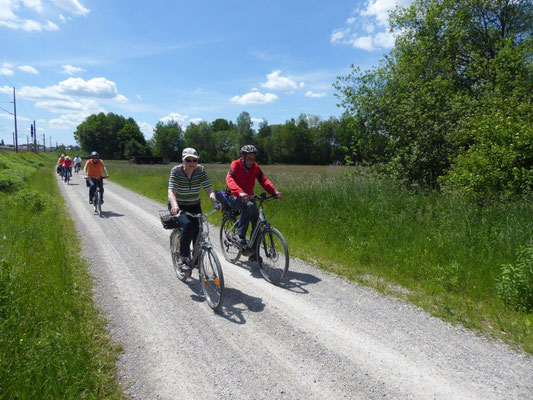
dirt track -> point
(314, 337)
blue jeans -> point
(249, 214)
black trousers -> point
(93, 182)
(190, 227)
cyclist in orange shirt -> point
(93, 173)
(60, 163)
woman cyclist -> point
(184, 185)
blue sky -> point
(187, 61)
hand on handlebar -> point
(174, 210)
(244, 197)
(278, 195)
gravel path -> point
(314, 337)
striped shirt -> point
(187, 190)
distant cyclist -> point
(60, 163)
(67, 165)
(241, 181)
(186, 181)
(93, 173)
(77, 163)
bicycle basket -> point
(167, 220)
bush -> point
(515, 285)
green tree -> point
(447, 61)
(168, 141)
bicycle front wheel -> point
(272, 255)
(96, 199)
(211, 278)
(229, 239)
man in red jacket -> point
(241, 181)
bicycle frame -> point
(202, 239)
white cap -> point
(189, 152)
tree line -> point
(306, 140)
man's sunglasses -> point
(191, 160)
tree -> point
(447, 61)
(168, 140)
(109, 135)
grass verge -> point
(53, 340)
(442, 253)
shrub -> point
(515, 285)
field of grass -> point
(53, 341)
(441, 253)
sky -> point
(189, 61)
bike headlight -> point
(205, 235)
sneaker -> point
(183, 267)
(90, 202)
(102, 201)
(243, 242)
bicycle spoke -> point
(273, 256)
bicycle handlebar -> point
(263, 197)
(198, 215)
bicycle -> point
(268, 244)
(97, 196)
(77, 167)
(204, 257)
(67, 176)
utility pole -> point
(15, 114)
(51, 145)
(44, 143)
(35, 137)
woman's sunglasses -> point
(191, 160)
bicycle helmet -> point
(249, 148)
(95, 154)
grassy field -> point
(441, 253)
(53, 341)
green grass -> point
(441, 253)
(53, 340)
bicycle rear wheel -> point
(175, 254)
(100, 206)
(229, 239)
(272, 255)
(211, 278)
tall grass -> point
(53, 341)
(440, 252)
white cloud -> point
(362, 33)
(195, 120)
(29, 69)
(7, 69)
(121, 99)
(59, 106)
(277, 82)
(257, 121)
(96, 87)
(6, 90)
(315, 95)
(174, 117)
(146, 128)
(12, 13)
(71, 70)
(254, 98)
(50, 26)
(73, 6)
(380, 9)
(139, 96)
(31, 25)
(363, 42)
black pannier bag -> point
(222, 199)
(167, 220)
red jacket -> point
(240, 179)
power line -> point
(10, 84)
